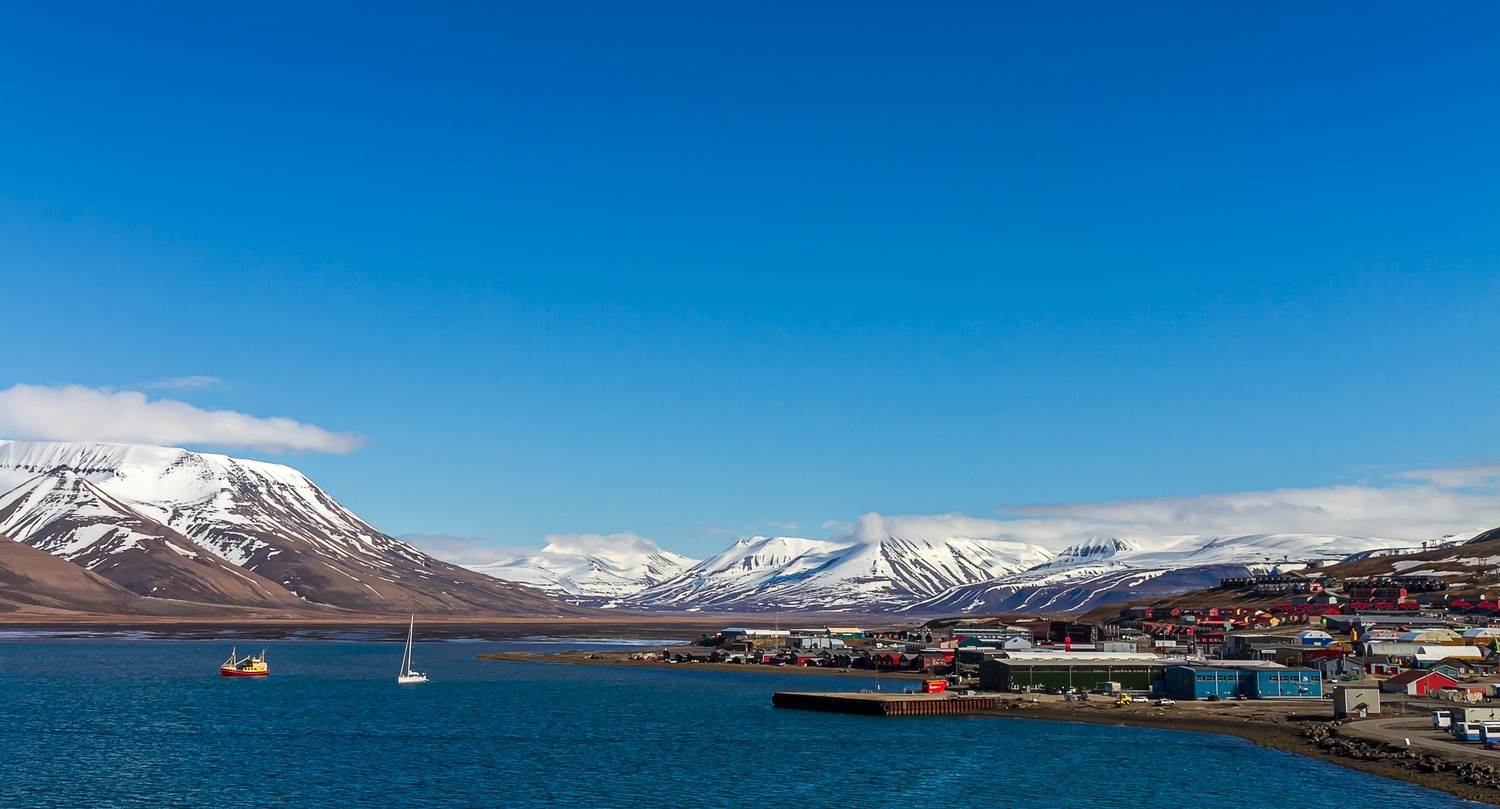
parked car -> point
(1165, 701)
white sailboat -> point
(407, 676)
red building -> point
(1417, 682)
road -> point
(1417, 730)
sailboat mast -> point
(406, 658)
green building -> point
(1133, 673)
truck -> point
(1442, 719)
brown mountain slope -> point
(426, 586)
(29, 577)
(63, 514)
(1474, 561)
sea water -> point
(112, 723)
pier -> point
(882, 704)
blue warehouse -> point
(1201, 681)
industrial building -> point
(1133, 671)
(1255, 647)
(1203, 680)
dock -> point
(878, 704)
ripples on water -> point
(150, 724)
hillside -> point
(196, 527)
(33, 578)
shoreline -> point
(1301, 728)
(660, 629)
(613, 658)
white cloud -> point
(1421, 505)
(1444, 502)
(77, 413)
(1417, 506)
(593, 544)
(461, 550)
(181, 382)
(481, 551)
(1461, 477)
(784, 526)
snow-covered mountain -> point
(199, 528)
(917, 565)
(167, 522)
(870, 569)
(911, 566)
(1109, 570)
(594, 571)
(65, 515)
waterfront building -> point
(1016, 671)
(1061, 631)
(1227, 681)
(990, 635)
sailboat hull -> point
(411, 679)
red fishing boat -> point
(247, 666)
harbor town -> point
(1391, 676)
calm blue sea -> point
(136, 723)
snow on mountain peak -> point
(590, 569)
(133, 511)
(871, 567)
(1100, 548)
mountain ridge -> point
(142, 516)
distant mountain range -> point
(603, 572)
(171, 525)
(116, 528)
(877, 569)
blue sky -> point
(691, 270)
